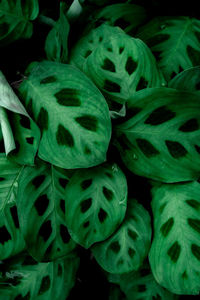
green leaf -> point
(95, 203)
(121, 66)
(11, 239)
(26, 136)
(115, 293)
(8, 99)
(160, 136)
(175, 41)
(15, 19)
(24, 278)
(42, 206)
(175, 251)
(141, 285)
(187, 80)
(89, 42)
(126, 16)
(20, 134)
(56, 47)
(126, 249)
(6, 131)
(76, 127)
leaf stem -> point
(46, 20)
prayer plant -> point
(99, 150)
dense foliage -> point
(99, 150)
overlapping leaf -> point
(88, 43)
(15, 19)
(175, 41)
(24, 278)
(141, 285)
(161, 137)
(76, 127)
(188, 80)
(175, 251)
(121, 66)
(126, 249)
(11, 239)
(124, 15)
(56, 44)
(96, 203)
(20, 134)
(41, 207)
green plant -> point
(99, 150)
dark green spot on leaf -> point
(195, 224)
(64, 234)
(189, 126)
(68, 97)
(88, 122)
(115, 247)
(131, 65)
(176, 149)
(14, 214)
(111, 86)
(196, 251)
(147, 148)
(49, 79)
(37, 181)
(132, 234)
(174, 251)
(45, 230)
(4, 235)
(41, 204)
(64, 137)
(43, 119)
(86, 204)
(45, 285)
(108, 65)
(102, 215)
(85, 184)
(159, 116)
(167, 226)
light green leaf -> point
(95, 203)
(175, 251)
(20, 134)
(42, 207)
(175, 41)
(26, 279)
(160, 138)
(7, 134)
(76, 127)
(126, 16)
(126, 249)
(121, 66)
(15, 19)
(141, 285)
(56, 46)
(8, 99)
(88, 43)
(11, 239)
(187, 80)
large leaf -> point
(11, 239)
(15, 16)
(56, 46)
(121, 66)
(188, 80)
(96, 203)
(41, 207)
(127, 16)
(141, 285)
(175, 251)
(175, 41)
(161, 137)
(72, 114)
(88, 43)
(126, 249)
(20, 134)
(24, 278)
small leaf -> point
(11, 239)
(41, 205)
(176, 237)
(56, 47)
(126, 249)
(160, 136)
(95, 203)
